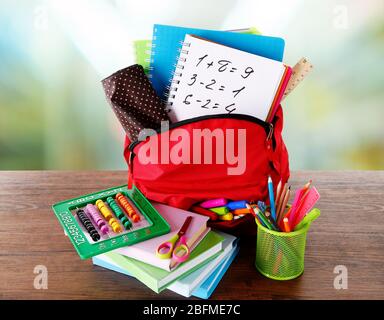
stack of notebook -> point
(211, 254)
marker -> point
(220, 211)
(309, 218)
(226, 217)
(205, 212)
(238, 212)
(271, 198)
(214, 203)
(237, 205)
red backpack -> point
(183, 185)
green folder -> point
(143, 53)
(158, 279)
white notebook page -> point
(215, 79)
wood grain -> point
(350, 232)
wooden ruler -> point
(299, 72)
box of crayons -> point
(109, 219)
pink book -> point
(146, 251)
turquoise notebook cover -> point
(167, 41)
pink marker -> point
(92, 211)
(214, 203)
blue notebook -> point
(167, 41)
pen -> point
(271, 198)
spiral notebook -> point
(167, 41)
(143, 48)
(212, 78)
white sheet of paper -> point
(215, 79)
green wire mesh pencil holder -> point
(280, 255)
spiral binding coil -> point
(174, 79)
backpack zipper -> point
(268, 127)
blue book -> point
(167, 41)
(205, 290)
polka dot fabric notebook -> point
(134, 101)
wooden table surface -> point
(349, 232)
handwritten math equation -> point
(203, 64)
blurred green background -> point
(53, 54)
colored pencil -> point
(287, 228)
(251, 210)
(271, 198)
(280, 202)
(270, 219)
(265, 221)
(278, 195)
(284, 204)
(296, 201)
